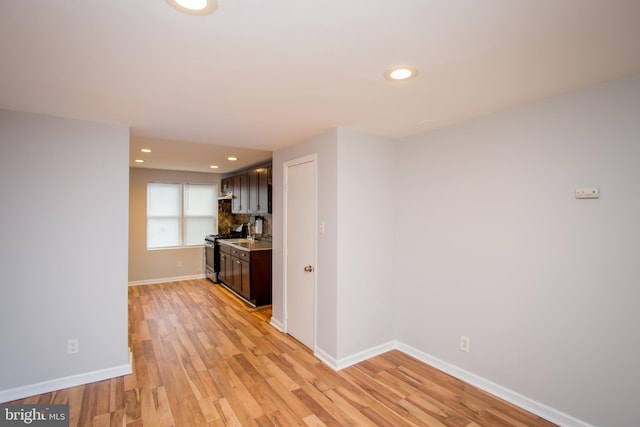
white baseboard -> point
(338, 364)
(544, 411)
(71, 381)
(166, 280)
(326, 358)
(277, 324)
(504, 393)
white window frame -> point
(182, 217)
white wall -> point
(476, 231)
(366, 229)
(63, 270)
(325, 146)
(544, 285)
(497, 248)
(353, 275)
(153, 266)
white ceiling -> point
(264, 74)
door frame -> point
(311, 158)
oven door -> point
(210, 261)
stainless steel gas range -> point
(212, 253)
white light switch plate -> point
(587, 193)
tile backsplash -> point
(227, 221)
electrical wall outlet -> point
(465, 344)
(73, 346)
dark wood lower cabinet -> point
(225, 266)
(247, 273)
(242, 279)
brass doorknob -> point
(308, 269)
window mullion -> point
(182, 216)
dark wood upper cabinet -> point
(251, 191)
(240, 195)
(259, 191)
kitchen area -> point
(235, 253)
(239, 256)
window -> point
(180, 214)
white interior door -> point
(300, 250)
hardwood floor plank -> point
(429, 405)
(116, 394)
(336, 412)
(229, 417)
(316, 408)
(237, 398)
(290, 399)
(253, 382)
(103, 420)
(314, 421)
(208, 408)
(118, 418)
(264, 421)
(285, 367)
(379, 391)
(420, 415)
(354, 414)
(369, 406)
(283, 418)
(132, 404)
(163, 407)
(201, 357)
(382, 417)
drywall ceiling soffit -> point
(193, 157)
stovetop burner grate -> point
(232, 235)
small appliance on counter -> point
(257, 228)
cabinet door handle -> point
(308, 269)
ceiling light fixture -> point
(194, 7)
(145, 150)
(139, 161)
(232, 158)
(214, 166)
(403, 72)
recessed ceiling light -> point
(145, 150)
(194, 7)
(403, 72)
(214, 166)
(139, 161)
(232, 158)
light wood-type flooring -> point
(203, 358)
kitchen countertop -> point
(246, 244)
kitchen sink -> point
(236, 241)
(246, 244)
